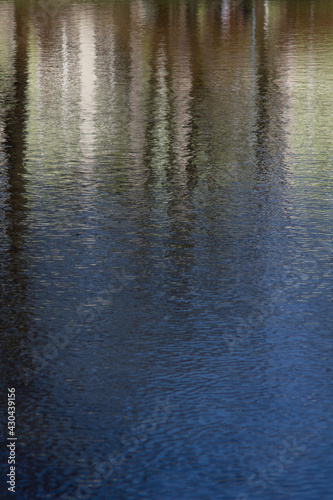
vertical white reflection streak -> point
(162, 108)
(137, 125)
(88, 81)
(225, 13)
(182, 87)
(266, 22)
(64, 86)
(87, 65)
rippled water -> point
(166, 248)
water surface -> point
(166, 247)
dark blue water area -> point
(224, 348)
(166, 250)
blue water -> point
(166, 249)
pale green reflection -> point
(112, 91)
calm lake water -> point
(166, 248)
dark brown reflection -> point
(13, 301)
(263, 83)
(270, 101)
(161, 105)
(15, 133)
(182, 174)
(157, 52)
